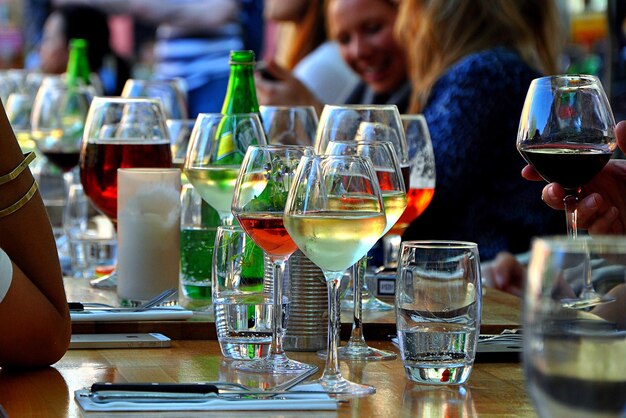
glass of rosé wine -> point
(120, 133)
(419, 177)
(258, 203)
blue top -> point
(473, 113)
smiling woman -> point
(364, 30)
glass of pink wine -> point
(567, 133)
(258, 204)
(120, 133)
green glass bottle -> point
(240, 98)
(78, 70)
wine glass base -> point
(105, 282)
(343, 387)
(587, 301)
(360, 353)
(369, 303)
(275, 364)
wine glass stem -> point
(331, 370)
(358, 273)
(571, 212)
(278, 265)
(391, 248)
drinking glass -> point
(566, 133)
(258, 204)
(438, 309)
(420, 183)
(215, 152)
(574, 358)
(57, 122)
(383, 158)
(120, 133)
(180, 132)
(289, 125)
(18, 109)
(242, 306)
(335, 214)
(171, 92)
(364, 123)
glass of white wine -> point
(335, 214)
(215, 152)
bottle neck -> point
(241, 92)
(78, 67)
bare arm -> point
(199, 14)
(35, 325)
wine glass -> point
(573, 359)
(258, 204)
(57, 122)
(120, 133)
(420, 179)
(171, 92)
(566, 133)
(385, 162)
(289, 125)
(365, 123)
(180, 132)
(335, 214)
(216, 149)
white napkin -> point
(296, 402)
(153, 314)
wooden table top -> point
(500, 311)
(494, 389)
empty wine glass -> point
(171, 92)
(385, 163)
(289, 125)
(566, 133)
(216, 149)
(258, 204)
(335, 214)
(180, 132)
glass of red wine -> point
(120, 133)
(567, 133)
(57, 122)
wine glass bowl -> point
(58, 118)
(566, 133)
(258, 204)
(120, 133)
(216, 149)
(171, 92)
(335, 214)
(289, 125)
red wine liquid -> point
(572, 166)
(64, 160)
(98, 169)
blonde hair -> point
(440, 32)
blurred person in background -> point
(304, 50)
(364, 31)
(193, 40)
(78, 21)
(471, 63)
(35, 323)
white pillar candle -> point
(148, 214)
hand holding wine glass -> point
(567, 134)
(258, 204)
(335, 214)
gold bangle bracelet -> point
(17, 170)
(21, 202)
